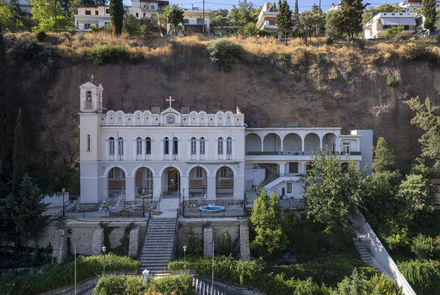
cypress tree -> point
(284, 18)
(18, 157)
(296, 6)
(117, 16)
(351, 18)
(428, 9)
(3, 101)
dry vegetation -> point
(341, 55)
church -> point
(196, 154)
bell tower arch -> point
(91, 98)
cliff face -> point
(319, 96)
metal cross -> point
(92, 78)
(170, 100)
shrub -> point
(392, 32)
(423, 247)
(361, 43)
(383, 286)
(40, 36)
(391, 80)
(329, 41)
(226, 245)
(194, 242)
(304, 241)
(29, 50)
(357, 283)
(80, 36)
(224, 52)
(421, 52)
(423, 275)
(107, 53)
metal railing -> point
(145, 235)
(296, 153)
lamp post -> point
(184, 254)
(143, 202)
(63, 201)
(244, 200)
(103, 250)
(183, 210)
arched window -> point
(229, 146)
(202, 145)
(220, 146)
(138, 146)
(166, 146)
(88, 96)
(148, 145)
(175, 146)
(120, 146)
(111, 146)
(193, 146)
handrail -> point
(145, 235)
(270, 179)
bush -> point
(304, 241)
(227, 246)
(383, 286)
(423, 275)
(329, 41)
(193, 241)
(224, 52)
(40, 36)
(29, 50)
(421, 52)
(392, 32)
(391, 80)
(423, 247)
(361, 43)
(107, 53)
(57, 276)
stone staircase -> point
(365, 255)
(171, 204)
(159, 245)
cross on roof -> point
(170, 100)
(92, 78)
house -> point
(267, 18)
(97, 16)
(195, 20)
(409, 4)
(212, 154)
(141, 9)
(25, 5)
(335, 7)
(377, 26)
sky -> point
(227, 4)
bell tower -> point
(91, 98)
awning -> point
(398, 21)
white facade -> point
(267, 18)
(192, 21)
(377, 27)
(170, 153)
(97, 16)
(408, 4)
(141, 9)
(25, 5)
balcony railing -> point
(295, 153)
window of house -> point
(175, 146)
(152, 7)
(88, 12)
(138, 146)
(289, 188)
(120, 146)
(148, 174)
(220, 146)
(406, 28)
(271, 22)
(89, 143)
(193, 146)
(96, 12)
(199, 172)
(185, 21)
(293, 167)
(225, 172)
(86, 26)
(146, 6)
(166, 148)
(229, 146)
(145, 14)
(346, 147)
(202, 146)
(107, 12)
(137, 14)
(111, 146)
(148, 146)
(170, 119)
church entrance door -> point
(171, 182)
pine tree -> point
(351, 18)
(117, 16)
(18, 158)
(384, 157)
(284, 18)
(27, 209)
(3, 102)
(428, 9)
(296, 6)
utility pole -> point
(203, 16)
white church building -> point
(214, 155)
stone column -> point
(239, 186)
(184, 184)
(157, 187)
(207, 241)
(133, 246)
(211, 187)
(60, 246)
(244, 242)
(130, 188)
(97, 241)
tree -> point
(428, 120)
(332, 188)
(309, 22)
(428, 9)
(27, 209)
(351, 18)
(284, 19)
(18, 157)
(296, 6)
(117, 16)
(50, 15)
(392, 32)
(3, 100)
(174, 16)
(331, 23)
(244, 13)
(219, 17)
(267, 222)
(131, 24)
(384, 157)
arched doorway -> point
(171, 182)
(144, 182)
(116, 182)
(271, 144)
(224, 182)
(197, 182)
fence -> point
(202, 287)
